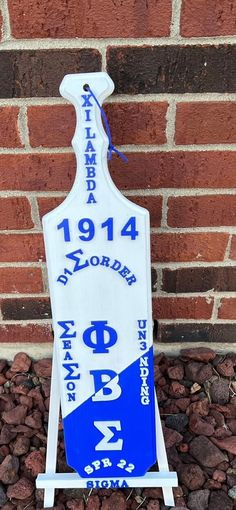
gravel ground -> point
(197, 401)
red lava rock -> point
(21, 445)
(198, 354)
(228, 444)
(23, 429)
(4, 450)
(21, 362)
(192, 476)
(177, 390)
(26, 401)
(198, 372)
(161, 396)
(152, 492)
(182, 403)
(9, 469)
(8, 506)
(93, 503)
(200, 407)
(21, 389)
(183, 447)
(222, 432)
(219, 419)
(219, 500)
(176, 372)
(116, 500)
(198, 426)
(219, 476)
(75, 504)
(172, 437)
(3, 364)
(34, 420)
(22, 489)
(46, 386)
(153, 504)
(35, 462)
(232, 425)
(15, 416)
(205, 452)
(7, 434)
(157, 373)
(198, 500)
(212, 485)
(220, 391)
(2, 379)
(43, 367)
(228, 411)
(226, 368)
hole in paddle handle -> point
(86, 87)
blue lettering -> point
(87, 118)
(94, 261)
(91, 185)
(66, 344)
(124, 271)
(131, 279)
(70, 376)
(142, 324)
(90, 159)
(89, 147)
(86, 98)
(77, 266)
(102, 377)
(64, 325)
(62, 279)
(142, 335)
(71, 397)
(88, 133)
(114, 484)
(105, 261)
(100, 337)
(91, 171)
(68, 357)
(91, 199)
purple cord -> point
(111, 147)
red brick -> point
(201, 18)
(15, 213)
(205, 123)
(1, 26)
(60, 122)
(154, 206)
(33, 333)
(9, 133)
(227, 309)
(137, 123)
(55, 172)
(38, 172)
(97, 18)
(25, 308)
(202, 211)
(233, 248)
(21, 248)
(189, 247)
(130, 123)
(179, 169)
(152, 203)
(47, 204)
(182, 308)
(21, 279)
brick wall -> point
(173, 113)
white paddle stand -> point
(50, 480)
(98, 259)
